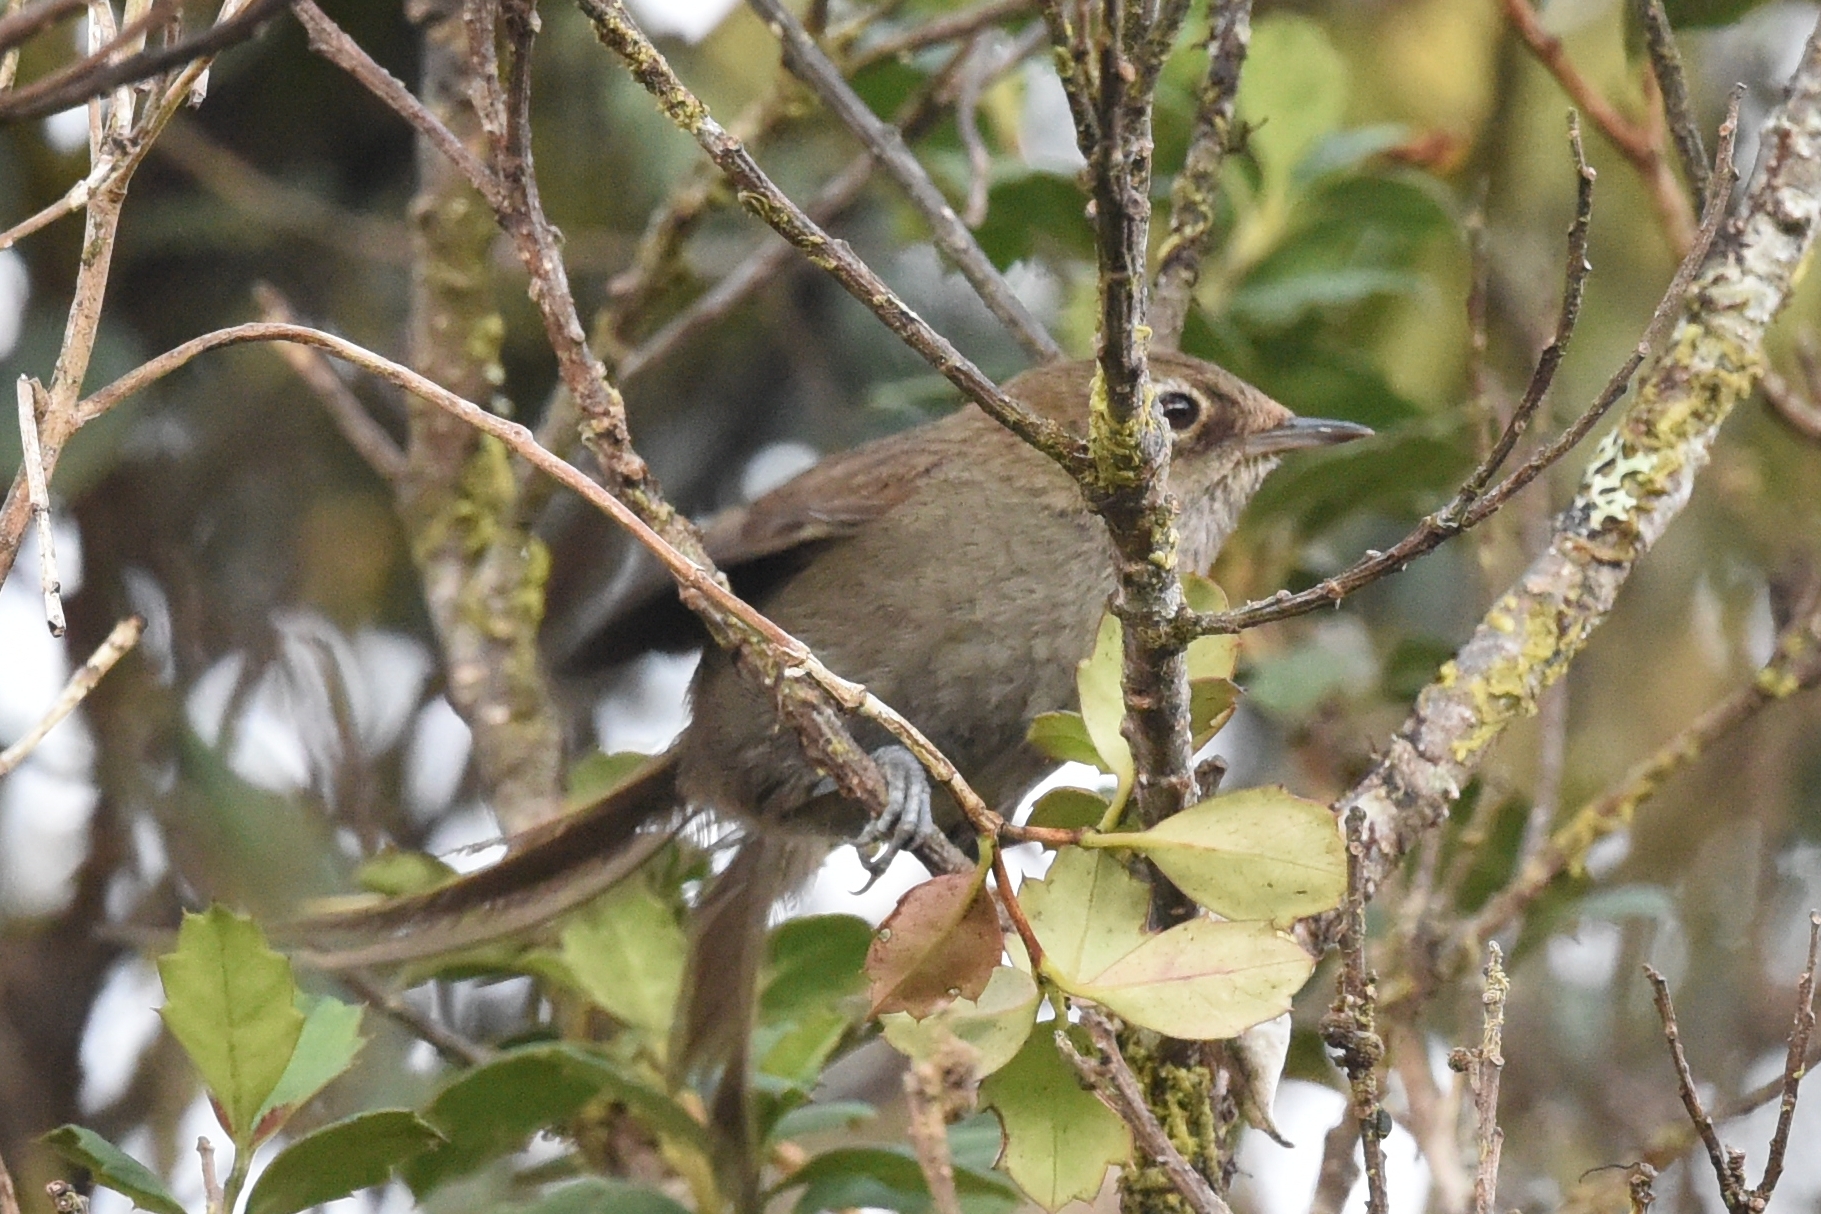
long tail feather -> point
(547, 871)
(720, 994)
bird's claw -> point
(906, 820)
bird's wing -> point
(758, 545)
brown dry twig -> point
(124, 636)
(939, 1090)
(1350, 1026)
(1641, 145)
(1471, 506)
(617, 31)
(807, 62)
(1729, 1162)
(95, 75)
(1192, 193)
(1483, 1066)
(1112, 1078)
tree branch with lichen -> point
(1638, 481)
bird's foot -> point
(906, 820)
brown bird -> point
(954, 571)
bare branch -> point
(124, 636)
(1795, 1065)
(1729, 1167)
(31, 401)
(1639, 145)
(1483, 1067)
(949, 28)
(1350, 1026)
(1666, 62)
(614, 26)
(332, 43)
(1193, 192)
(807, 62)
(1111, 1077)
(23, 23)
(368, 438)
(1468, 509)
(94, 76)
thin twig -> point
(1350, 1026)
(1638, 144)
(950, 28)
(1796, 408)
(617, 31)
(1193, 192)
(806, 61)
(332, 43)
(1339, 1170)
(1112, 1078)
(1729, 1166)
(31, 401)
(452, 1045)
(938, 1090)
(975, 70)
(764, 263)
(23, 23)
(98, 76)
(1467, 510)
(1666, 63)
(214, 1200)
(368, 438)
(1483, 1067)
(1794, 1066)
(124, 636)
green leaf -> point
(1068, 809)
(1277, 299)
(796, 1051)
(941, 942)
(1064, 737)
(1212, 703)
(627, 951)
(396, 873)
(1209, 657)
(1293, 92)
(597, 1195)
(492, 1109)
(1203, 980)
(995, 1025)
(885, 1179)
(1260, 853)
(596, 774)
(232, 1003)
(814, 962)
(113, 1168)
(326, 1047)
(1059, 1139)
(340, 1158)
(1088, 912)
(1103, 703)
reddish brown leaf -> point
(939, 944)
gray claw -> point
(907, 816)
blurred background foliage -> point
(286, 715)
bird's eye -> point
(1180, 409)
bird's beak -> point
(1301, 432)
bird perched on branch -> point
(952, 569)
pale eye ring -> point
(1180, 409)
